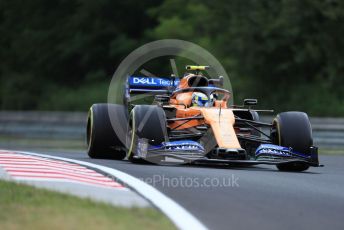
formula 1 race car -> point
(191, 122)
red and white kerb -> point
(24, 167)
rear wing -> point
(151, 85)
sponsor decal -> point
(151, 81)
(183, 145)
(273, 150)
(180, 146)
(144, 81)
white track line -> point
(176, 213)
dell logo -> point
(143, 80)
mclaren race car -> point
(191, 121)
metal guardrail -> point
(327, 132)
(44, 125)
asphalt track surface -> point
(248, 198)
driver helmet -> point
(201, 100)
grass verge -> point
(331, 151)
(26, 207)
(39, 143)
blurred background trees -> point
(61, 54)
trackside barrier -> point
(327, 132)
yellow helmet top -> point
(197, 67)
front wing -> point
(189, 154)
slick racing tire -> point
(102, 140)
(255, 117)
(146, 122)
(292, 129)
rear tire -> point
(148, 122)
(102, 140)
(293, 129)
(249, 146)
(255, 117)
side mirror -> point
(250, 102)
(217, 82)
(221, 80)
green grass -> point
(43, 144)
(329, 151)
(25, 207)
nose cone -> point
(222, 126)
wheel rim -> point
(89, 131)
(275, 132)
(131, 134)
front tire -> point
(148, 122)
(102, 140)
(293, 129)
